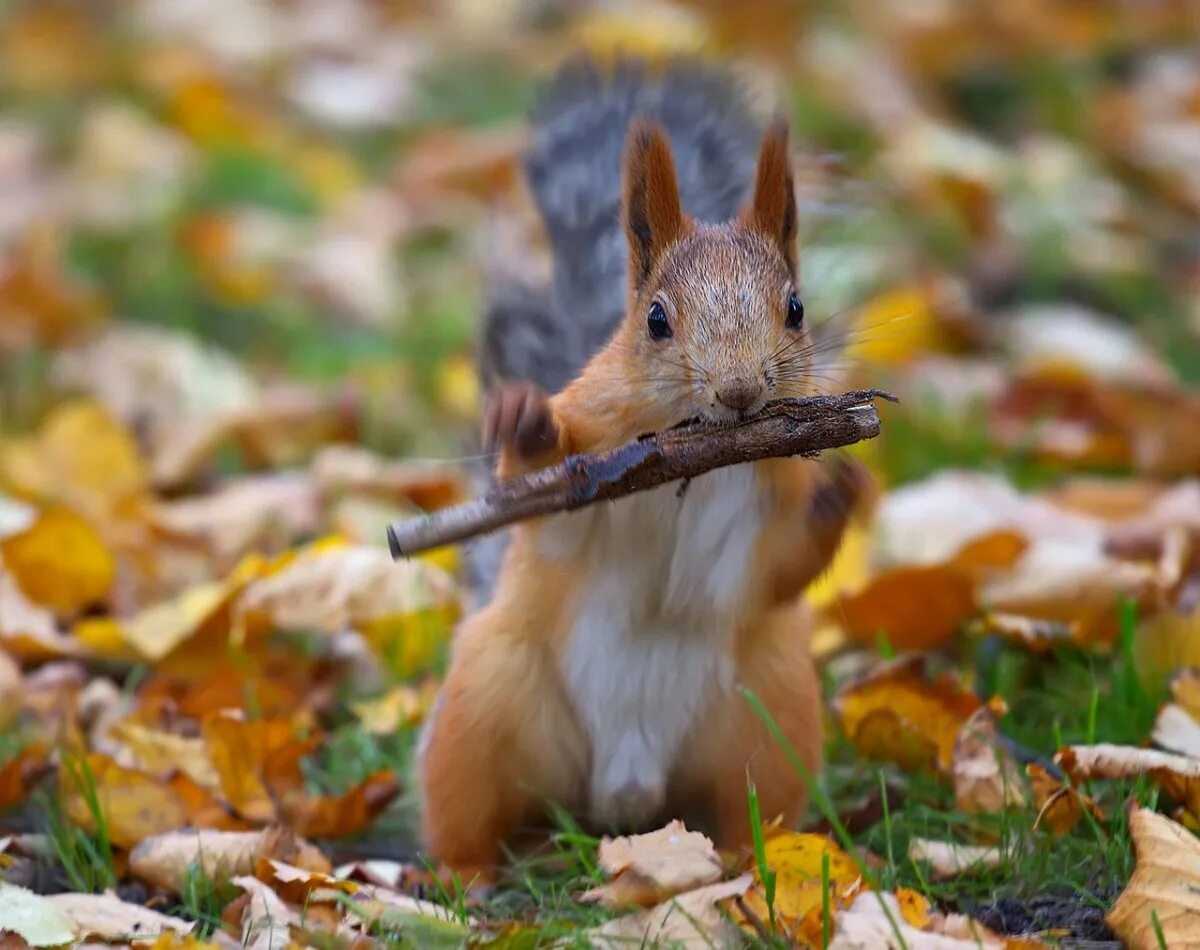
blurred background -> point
(244, 245)
(200, 201)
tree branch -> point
(783, 428)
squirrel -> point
(602, 674)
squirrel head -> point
(713, 308)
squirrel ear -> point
(773, 209)
(653, 213)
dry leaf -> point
(986, 779)
(341, 469)
(690, 919)
(1177, 775)
(60, 562)
(163, 860)
(1165, 884)
(1176, 729)
(947, 859)
(1060, 806)
(107, 917)
(400, 707)
(796, 859)
(894, 714)
(133, 805)
(866, 925)
(27, 631)
(164, 752)
(240, 751)
(914, 608)
(646, 869)
(266, 920)
(35, 919)
(1029, 632)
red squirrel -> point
(603, 674)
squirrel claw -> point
(518, 417)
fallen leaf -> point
(1165, 885)
(106, 917)
(164, 860)
(266, 920)
(27, 631)
(895, 714)
(240, 751)
(691, 919)
(82, 458)
(1060, 806)
(947, 859)
(1029, 632)
(986, 779)
(914, 608)
(297, 885)
(400, 707)
(133, 805)
(797, 858)
(340, 469)
(867, 925)
(1177, 775)
(404, 610)
(161, 752)
(1177, 730)
(35, 919)
(646, 869)
(60, 562)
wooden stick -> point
(783, 428)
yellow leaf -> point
(648, 30)
(1165, 885)
(796, 859)
(456, 388)
(132, 804)
(82, 457)
(60, 562)
(239, 751)
(894, 714)
(401, 706)
(163, 752)
(895, 327)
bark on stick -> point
(783, 428)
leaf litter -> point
(235, 317)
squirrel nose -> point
(739, 393)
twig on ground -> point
(783, 428)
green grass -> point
(203, 898)
(86, 857)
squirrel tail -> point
(545, 333)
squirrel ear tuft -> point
(653, 213)
(773, 208)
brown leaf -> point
(341, 469)
(986, 779)
(646, 869)
(1060, 806)
(1165, 885)
(1177, 775)
(1029, 632)
(164, 860)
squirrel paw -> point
(848, 486)
(518, 417)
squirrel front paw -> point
(518, 417)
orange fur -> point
(508, 734)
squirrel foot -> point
(518, 417)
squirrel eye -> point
(795, 314)
(656, 322)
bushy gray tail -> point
(546, 334)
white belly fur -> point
(652, 637)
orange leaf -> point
(895, 714)
(239, 751)
(916, 608)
